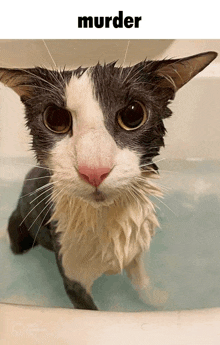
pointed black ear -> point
(176, 73)
(17, 79)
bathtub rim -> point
(36, 325)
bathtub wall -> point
(193, 130)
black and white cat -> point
(95, 132)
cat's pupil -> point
(133, 116)
(57, 119)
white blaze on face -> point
(94, 146)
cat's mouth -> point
(98, 196)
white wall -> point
(194, 129)
(14, 136)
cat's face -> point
(113, 129)
(98, 129)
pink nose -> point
(93, 176)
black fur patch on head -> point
(116, 87)
(47, 87)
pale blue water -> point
(184, 257)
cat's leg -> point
(78, 295)
(139, 278)
(20, 238)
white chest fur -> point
(101, 240)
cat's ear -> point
(176, 73)
(19, 80)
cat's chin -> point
(99, 198)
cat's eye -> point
(57, 119)
(133, 116)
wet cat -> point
(95, 132)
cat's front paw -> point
(152, 296)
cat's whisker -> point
(124, 58)
(48, 186)
(128, 74)
(138, 193)
(44, 186)
(42, 79)
(143, 180)
(37, 190)
(138, 80)
(48, 196)
(130, 194)
(46, 46)
(146, 165)
(50, 207)
(37, 178)
(54, 196)
(164, 189)
(134, 75)
(58, 78)
(48, 189)
(61, 82)
(38, 215)
(159, 160)
(165, 205)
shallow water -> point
(184, 258)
